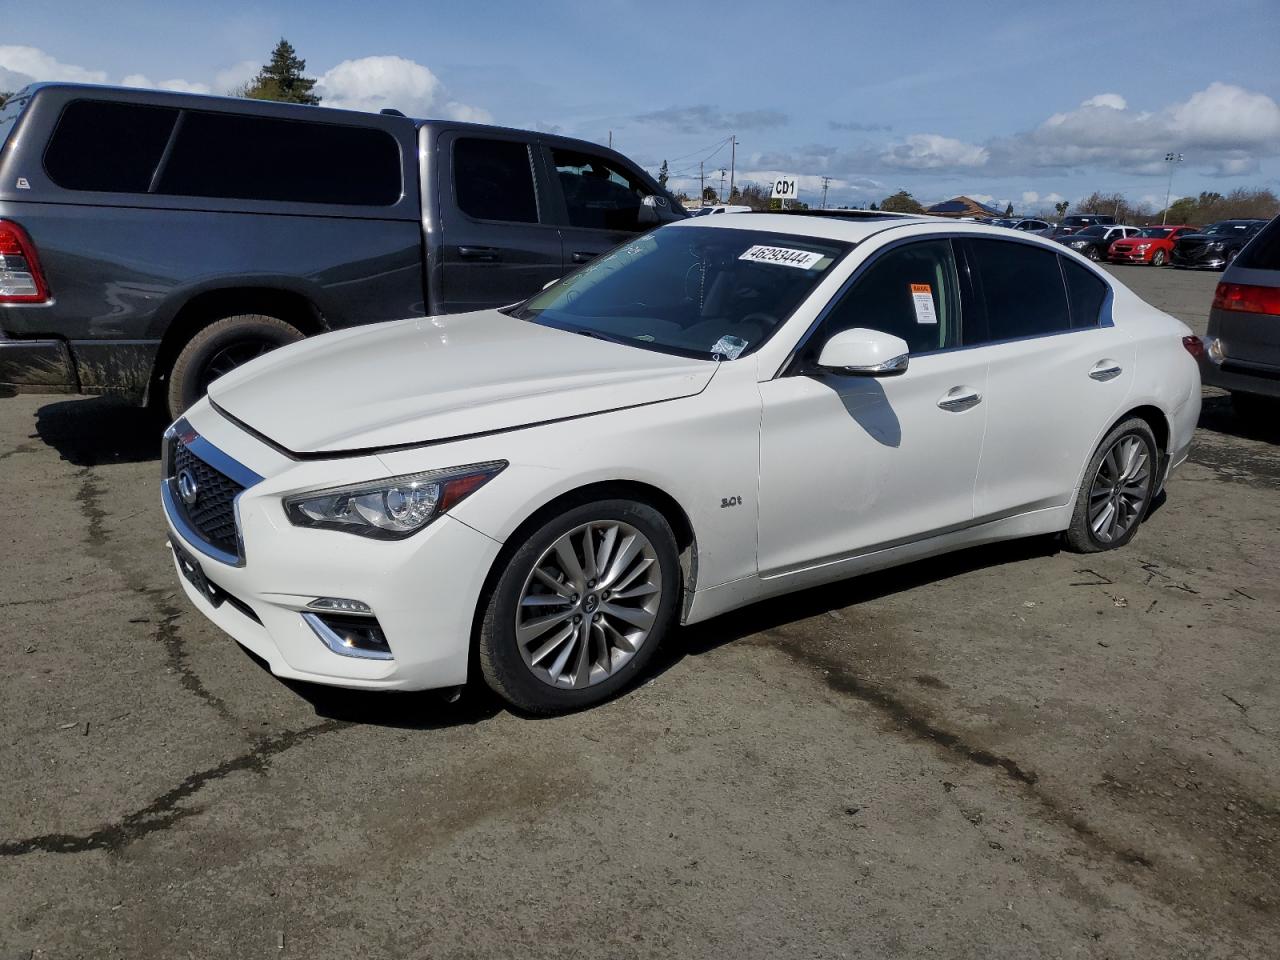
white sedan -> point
(722, 410)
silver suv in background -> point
(1242, 346)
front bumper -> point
(423, 590)
(1129, 256)
(1214, 262)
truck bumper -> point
(37, 366)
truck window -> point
(493, 180)
(111, 147)
(599, 194)
(239, 157)
(10, 110)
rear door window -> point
(1021, 287)
(236, 157)
(1086, 293)
(1263, 253)
(109, 147)
(493, 180)
(599, 194)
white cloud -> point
(20, 66)
(1223, 115)
(372, 83)
(224, 81)
(181, 86)
(931, 151)
(1112, 100)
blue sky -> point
(1019, 102)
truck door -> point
(500, 243)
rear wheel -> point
(1119, 485)
(218, 349)
(1159, 258)
(580, 607)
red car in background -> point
(1154, 245)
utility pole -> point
(721, 198)
(702, 185)
(733, 155)
(610, 139)
(1172, 159)
(825, 181)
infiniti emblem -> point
(188, 489)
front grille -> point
(213, 515)
(1189, 251)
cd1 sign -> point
(784, 188)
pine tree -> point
(1008, 211)
(663, 175)
(282, 78)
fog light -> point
(1213, 347)
(338, 605)
(350, 636)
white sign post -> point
(784, 189)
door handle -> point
(1105, 370)
(959, 398)
(478, 253)
(582, 256)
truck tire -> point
(219, 348)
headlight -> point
(390, 509)
(1143, 247)
(1214, 246)
(1078, 244)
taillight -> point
(1194, 346)
(20, 278)
(1247, 298)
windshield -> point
(692, 291)
(1219, 229)
(1004, 222)
(1092, 232)
(1157, 233)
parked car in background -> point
(1026, 224)
(719, 208)
(152, 240)
(1242, 346)
(1094, 242)
(1214, 247)
(720, 411)
(1152, 245)
(1078, 221)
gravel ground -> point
(1009, 752)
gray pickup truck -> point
(151, 241)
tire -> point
(1092, 254)
(531, 670)
(219, 348)
(1159, 258)
(1127, 510)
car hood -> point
(430, 379)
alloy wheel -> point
(589, 604)
(231, 356)
(1121, 486)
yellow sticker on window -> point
(922, 300)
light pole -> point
(1172, 159)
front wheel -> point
(1092, 254)
(1118, 487)
(1158, 258)
(580, 607)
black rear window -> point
(493, 180)
(1263, 252)
(262, 158)
(112, 147)
(1086, 293)
(1022, 287)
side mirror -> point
(864, 353)
(648, 214)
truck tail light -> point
(1247, 298)
(21, 280)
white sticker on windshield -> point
(922, 299)
(782, 256)
(729, 347)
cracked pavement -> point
(1011, 751)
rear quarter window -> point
(236, 157)
(1263, 252)
(108, 147)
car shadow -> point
(100, 430)
(794, 607)
(1219, 416)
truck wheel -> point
(218, 349)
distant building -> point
(962, 207)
